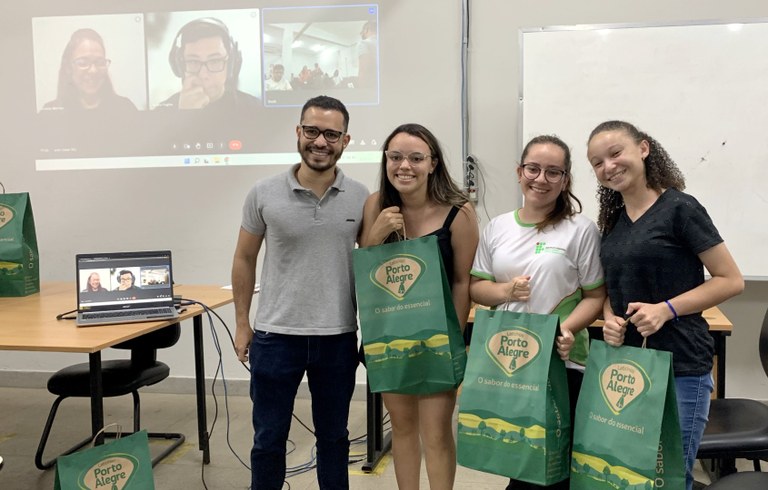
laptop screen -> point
(122, 280)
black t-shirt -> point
(655, 259)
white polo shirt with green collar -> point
(562, 260)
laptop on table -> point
(124, 287)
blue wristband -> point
(671, 308)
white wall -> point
(494, 89)
(205, 210)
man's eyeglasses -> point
(551, 175)
(215, 65)
(85, 63)
(313, 132)
(414, 158)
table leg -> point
(378, 445)
(97, 396)
(720, 352)
(202, 417)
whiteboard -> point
(700, 90)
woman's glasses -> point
(85, 63)
(551, 175)
(414, 158)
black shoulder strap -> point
(451, 215)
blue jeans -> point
(278, 363)
(693, 396)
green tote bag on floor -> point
(411, 337)
(514, 417)
(123, 464)
(627, 431)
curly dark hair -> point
(566, 203)
(661, 172)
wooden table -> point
(29, 324)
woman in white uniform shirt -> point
(544, 258)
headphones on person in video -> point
(176, 56)
(124, 272)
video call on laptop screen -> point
(106, 280)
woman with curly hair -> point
(656, 243)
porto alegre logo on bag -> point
(513, 410)
(111, 473)
(512, 350)
(623, 383)
(410, 334)
(627, 401)
(398, 274)
(6, 215)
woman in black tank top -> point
(417, 197)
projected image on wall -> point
(333, 50)
(121, 85)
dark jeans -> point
(278, 363)
(574, 387)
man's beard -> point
(318, 162)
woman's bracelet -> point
(672, 309)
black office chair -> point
(738, 427)
(119, 377)
(748, 480)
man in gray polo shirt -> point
(309, 217)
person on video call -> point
(208, 61)
(94, 284)
(127, 281)
(276, 81)
(93, 288)
(84, 83)
(367, 52)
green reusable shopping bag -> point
(123, 464)
(19, 260)
(514, 416)
(411, 336)
(627, 431)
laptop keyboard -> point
(128, 313)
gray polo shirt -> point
(307, 284)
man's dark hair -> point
(125, 271)
(329, 104)
(205, 28)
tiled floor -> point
(23, 412)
